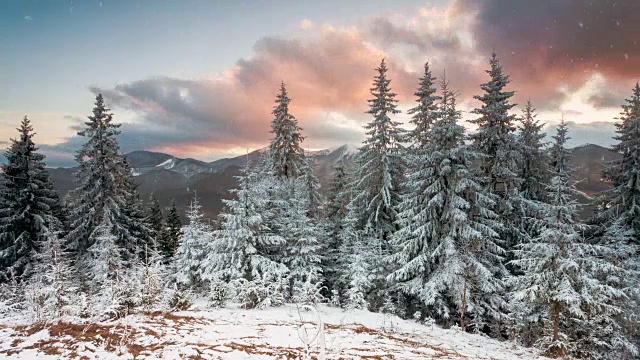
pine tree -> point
(301, 233)
(608, 331)
(379, 171)
(52, 281)
(337, 211)
(534, 159)
(287, 156)
(495, 140)
(170, 237)
(378, 176)
(353, 278)
(106, 272)
(615, 221)
(30, 208)
(624, 199)
(154, 219)
(338, 197)
(250, 248)
(357, 278)
(560, 269)
(311, 188)
(140, 239)
(495, 137)
(195, 243)
(244, 246)
(426, 112)
(102, 194)
(151, 278)
(448, 254)
(425, 115)
(108, 256)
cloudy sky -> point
(198, 78)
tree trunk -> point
(556, 350)
(555, 311)
(464, 300)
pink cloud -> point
(329, 70)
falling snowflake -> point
(580, 24)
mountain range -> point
(170, 177)
(173, 178)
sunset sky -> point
(198, 78)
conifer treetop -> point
(534, 166)
(425, 113)
(105, 185)
(29, 205)
(624, 173)
(287, 155)
(380, 166)
(447, 243)
(383, 102)
(495, 120)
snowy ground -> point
(232, 333)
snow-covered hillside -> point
(232, 333)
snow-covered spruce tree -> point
(51, 289)
(620, 206)
(337, 200)
(447, 248)
(624, 200)
(534, 170)
(302, 254)
(107, 273)
(287, 156)
(338, 192)
(170, 236)
(379, 172)
(101, 197)
(355, 270)
(354, 280)
(195, 243)
(135, 219)
(155, 219)
(152, 269)
(151, 273)
(29, 206)
(559, 268)
(607, 332)
(495, 140)
(245, 248)
(285, 214)
(315, 201)
(425, 113)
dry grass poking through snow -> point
(247, 334)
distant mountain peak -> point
(143, 161)
(346, 149)
(173, 178)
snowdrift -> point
(287, 332)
